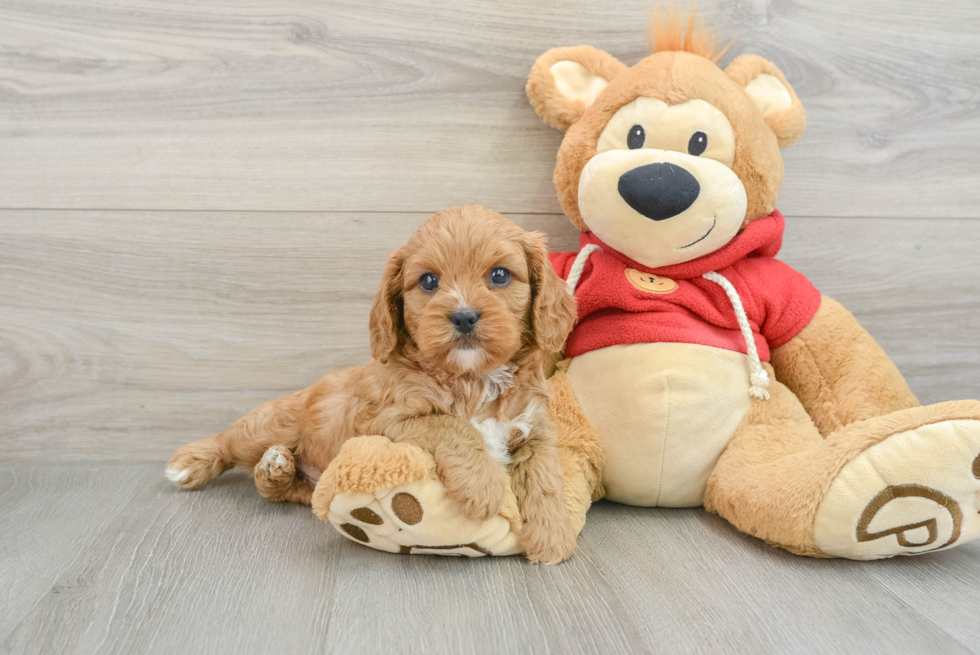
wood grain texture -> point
(221, 571)
(48, 515)
(417, 105)
(127, 334)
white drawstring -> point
(759, 377)
(579, 265)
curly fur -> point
(419, 390)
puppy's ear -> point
(772, 94)
(553, 310)
(386, 313)
(565, 81)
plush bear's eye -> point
(697, 144)
(429, 282)
(636, 137)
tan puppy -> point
(467, 313)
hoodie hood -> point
(762, 237)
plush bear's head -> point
(667, 160)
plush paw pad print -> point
(919, 533)
(407, 510)
(915, 492)
(418, 518)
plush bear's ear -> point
(767, 86)
(565, 81)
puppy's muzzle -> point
(659, 191)
(464, 320)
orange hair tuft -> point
(667, 32)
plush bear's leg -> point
(905, 483)
(756, 484)
(839, 372)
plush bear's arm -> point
(838, 371)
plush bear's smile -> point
(714, 222)
(660, 207)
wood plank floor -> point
(109, 558)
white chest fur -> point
(501, 436)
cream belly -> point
(665, 412)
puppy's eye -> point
(697, 144)
(636, 137)
(429, 282)
(499, 277)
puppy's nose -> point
(464, 320)
(659, 191)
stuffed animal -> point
(702, 370)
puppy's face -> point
(467, 289)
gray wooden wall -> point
(196, 198)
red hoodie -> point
(621, 301)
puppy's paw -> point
(275, 473)
(479, 494)
(276, 464)
(194, 465)
(548, 539)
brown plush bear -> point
(703, 371)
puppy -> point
(468, 312)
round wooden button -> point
(649, 282)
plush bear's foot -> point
(914, 492)
(387, 496)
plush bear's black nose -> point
(464, 320)
(659, 191)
